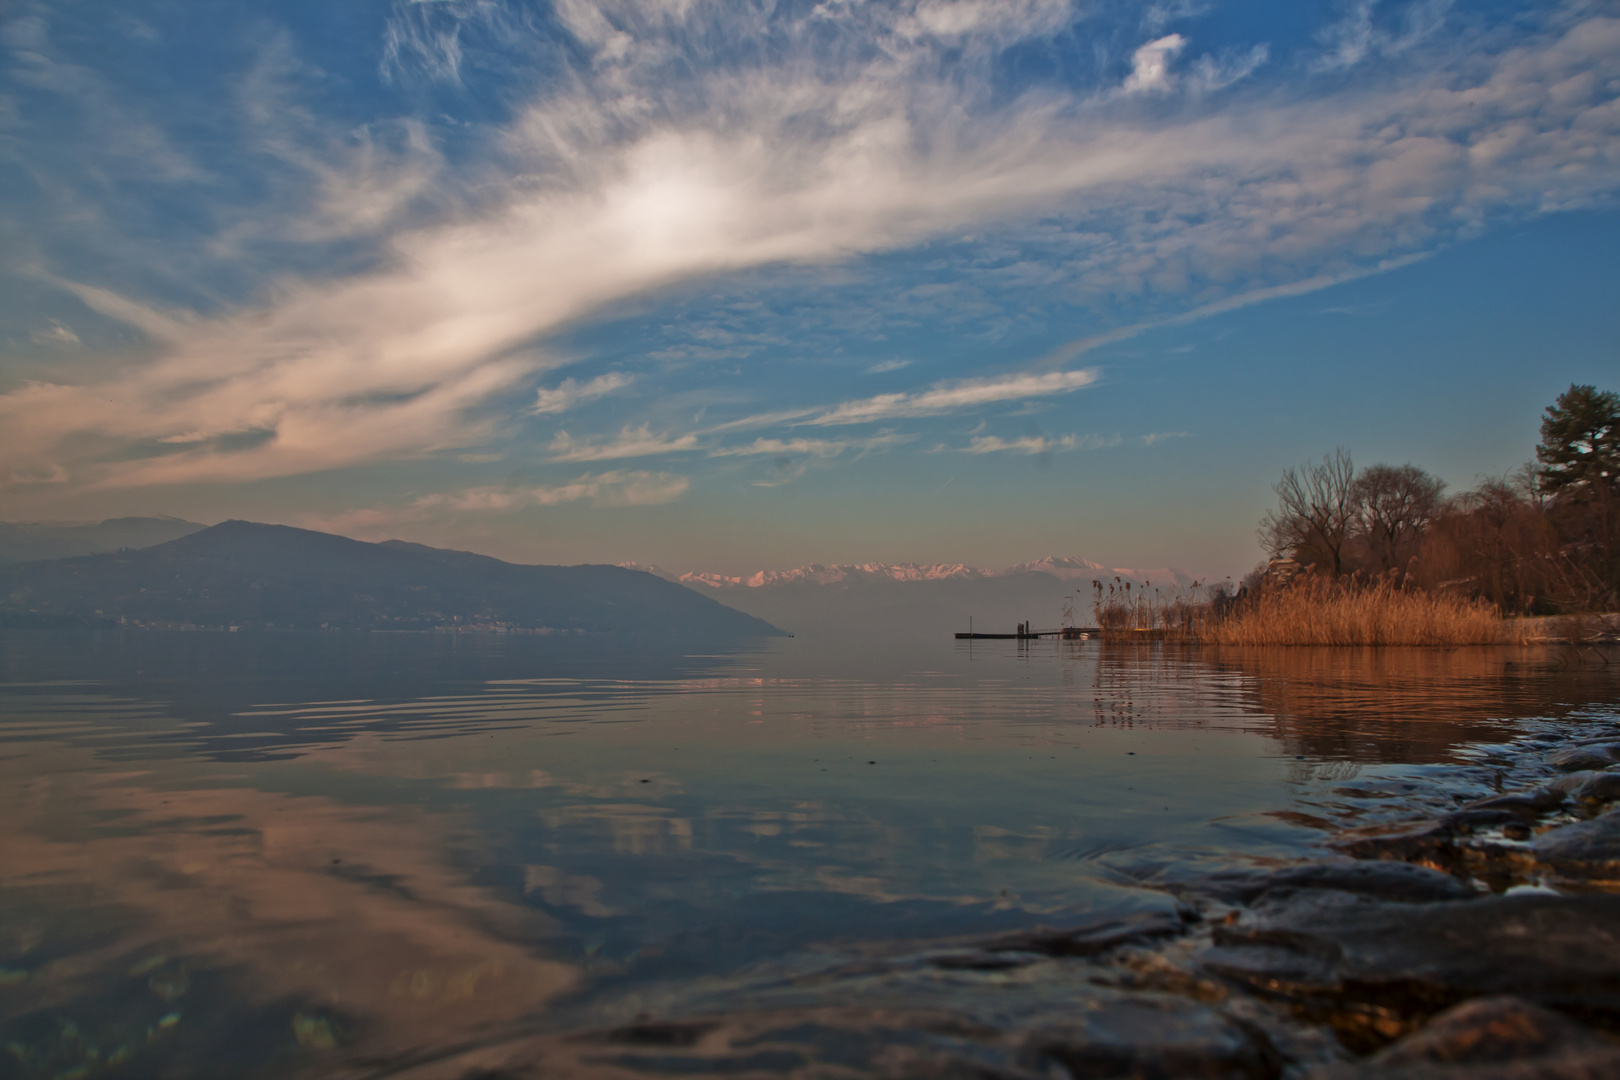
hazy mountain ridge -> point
(250, 575)
(1065, 568)
(27, 541)
(920, 598)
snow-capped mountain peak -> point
(1065, 568)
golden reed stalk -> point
(1339, 613)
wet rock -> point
(854, 1041)
(763, 1063)
(1505, 1038)
(1599, 787)
(1567, 783)
(979, 961)
(658, 1033)
(1431, 843)
(1394, 881)
(1598, 756)
(1586, 849)
(1092, 938)
(1493, 1029)
(1370, 967)
(1527, 804)
(1152, 1038)
(1468, 820)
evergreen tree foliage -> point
(1580, 444)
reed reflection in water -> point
(239, 854)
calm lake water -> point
(261, 854)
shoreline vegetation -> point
(1379, 557)
(1308, 611)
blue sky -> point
(728, 285)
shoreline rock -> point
(1480, 941)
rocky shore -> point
(1462, 921)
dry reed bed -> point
(1325, 613)
(1314, 612)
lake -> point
(277, 854)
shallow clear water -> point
(229, 853)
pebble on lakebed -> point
(1471, 931)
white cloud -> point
(1355, 37)
(883, 367)
(641, 173)
(615, 488)
(1209, 73)
(951, 397)
(56, 335)
(1159, 15)
(632, 442)
(568, 393)
(1160, 436)
(816, 448)
(1150, 65)
(1038, 444)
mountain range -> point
(24, 541)
(921, 598)
(168, 572)
(251, 576)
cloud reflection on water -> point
(412, 854)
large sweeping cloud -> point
(686, 140)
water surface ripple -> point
(271, 854)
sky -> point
(728, 285)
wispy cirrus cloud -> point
(630, 443)
(1162, 436)
(614, 488)
(815, 448)
(618, 487)
(955, 396)
(663, 158)
(1038, 444)
(568, 393)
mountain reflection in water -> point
(266, 854)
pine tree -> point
(1580, 444)
(1580, 472)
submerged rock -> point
(1092, 938)
(1394, 881)
(1530, 803)
(1599, 787)
(1586, 849)
(1427, 843)
(1502, 1038)
(1374, 969)
(1152, 1037)
(1597, 756)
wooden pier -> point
(1068, 633)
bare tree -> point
(1316, 511)
(1394, 504)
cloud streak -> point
(815, 448)
(654, 163)
(1032, 444)
(631, 442)
(615, 488)
(568, 393)
(957, 396)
